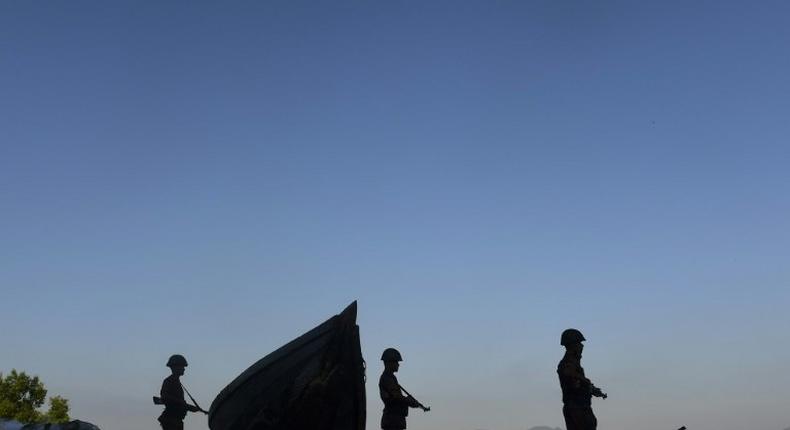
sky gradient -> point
(215, 179)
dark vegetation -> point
(21, 396)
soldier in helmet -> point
(577, 390)
(172, 395)
(396, 404)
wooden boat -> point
(315, 382)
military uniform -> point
(576, 394)
(173, 416)
(396, 405)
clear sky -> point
(215, 178)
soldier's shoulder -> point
(387, 377)
(567, 363)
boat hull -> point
(316, 382)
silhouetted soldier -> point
(172, 396)
(396, 405)
(577, 390)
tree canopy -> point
(21, 396)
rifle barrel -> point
(415, 399)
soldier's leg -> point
(579, 419)
(570, 419)
(590, 422)
(172, 425)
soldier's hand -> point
(597, 392)
(192, 408)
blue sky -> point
(215, 179)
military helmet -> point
(571, 336)
(176, 360)
(391, 354)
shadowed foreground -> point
(71, 425)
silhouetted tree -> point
(21, 396)
(58, 412)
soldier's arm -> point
(170, 395)
(595, 391)
(390, 392)
(570, 371)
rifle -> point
(193, 400)
(595, 391)
(159, 401)
(420, 405)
